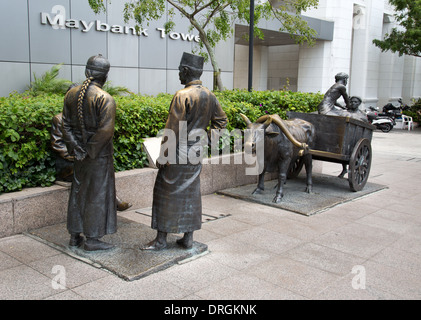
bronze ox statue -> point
(285, 141)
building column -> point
(411, 88)
(319, 64)
(260, 67)
(314, 70)
(262, 77)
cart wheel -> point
(359, 165)
(295, 167)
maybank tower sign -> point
(57, 20)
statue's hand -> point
(69, 158)
(80, 153)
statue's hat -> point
(191, 60)
(98, 63)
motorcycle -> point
(382, 122)
(393, 111)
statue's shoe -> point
(186, 241)
(95, 245)
(121, 206)
(76, 240)
(154, 245)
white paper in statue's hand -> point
(152, 146)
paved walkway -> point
(366, 249)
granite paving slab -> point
(328, 191)
(126, 259)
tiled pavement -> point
(366, 249)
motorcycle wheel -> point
(386, 127)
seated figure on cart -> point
(329, 104)
(354, 110)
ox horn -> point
(246, 120)
(282, 126)
(263, 118)
(268, 122)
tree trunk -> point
(217, 81)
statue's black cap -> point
(98, 63)
(191, 60)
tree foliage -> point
(407, 38)
(214, 20)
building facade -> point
(378, 78)
(38, 34)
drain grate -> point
(209, 218)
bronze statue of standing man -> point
(88, 130)
(177, 205)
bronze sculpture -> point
(354, 111)
(285, 141)
(177, 206)
(88, 129)
(64, 161)
(329, 104)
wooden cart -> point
(341, 140)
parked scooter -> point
(383, 123)
(393, 111)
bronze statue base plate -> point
(126, 259)
(328, 191)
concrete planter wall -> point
(37, 207)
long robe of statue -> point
(177, 206)
(92, 202)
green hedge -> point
(25, 158)
(25, 122)
(415, 111)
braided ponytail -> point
(80, 100)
